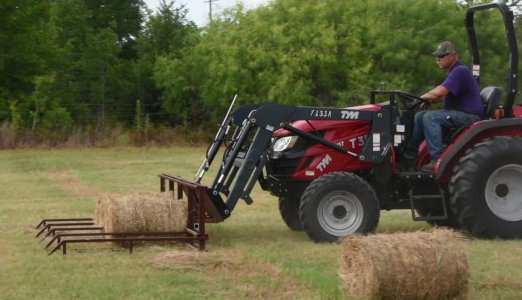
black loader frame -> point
(245, 159)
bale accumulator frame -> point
(57, 234)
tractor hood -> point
(319, 125)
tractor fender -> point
(477, 132)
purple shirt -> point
(464, 92)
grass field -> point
(261, 257)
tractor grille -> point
(283, 167)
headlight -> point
(284, 143)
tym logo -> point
(350, 115)
(324, 163)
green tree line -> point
(71, 66)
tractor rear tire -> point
(486, 188)
(336, 205)
(289, 210)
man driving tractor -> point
(460, 95)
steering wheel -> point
(411, 101)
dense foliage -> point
(69, 66)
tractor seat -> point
(491, 98)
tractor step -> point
(417, 197)
(416, 175)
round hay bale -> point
(101, 208)
(141, 212)
(416, 265)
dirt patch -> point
(504, 282)
(194, 260)
(251, 278)
(72, 184)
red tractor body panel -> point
(472, 135)
(319, 159)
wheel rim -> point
(504, 192)
(340, 213)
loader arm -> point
(250, 142)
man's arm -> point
(436, 94)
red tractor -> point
(335, 169)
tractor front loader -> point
(333, 170)
(249, 133)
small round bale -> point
(141, 212)
(415, 265)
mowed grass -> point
(272, 261)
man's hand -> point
(426, 101)
(425, 104)
(436, 94)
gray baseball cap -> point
(445, 48)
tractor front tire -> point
(486, 188)
(336, 205)
(289, 210)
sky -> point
(198, 9)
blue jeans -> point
(428, 125)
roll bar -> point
(507, 15)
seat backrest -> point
(492, 98)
